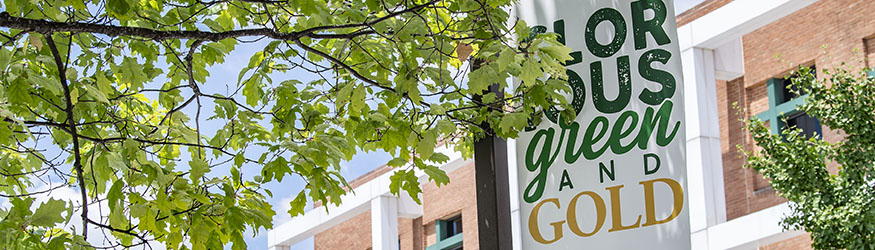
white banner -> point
(615, 177)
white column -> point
(704, 158)
(384, 223)
(513, 180)
(278, 247)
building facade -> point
(735, 56)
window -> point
(869, 47)
(784, 100)
(452, 226)
(788, 91)
(449, 234)
(810, 126)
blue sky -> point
(682, 5)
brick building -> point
(733, 52)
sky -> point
(683, 5)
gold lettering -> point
(600, 214)
(649, 205)
(616, 217)
(533, 223)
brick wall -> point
(799, 38)
(802, 242)
(410, 233)
(840, 26)
(353, 234)
(773, 51)
(458, 197)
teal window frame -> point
(444, 242)
(777, 112)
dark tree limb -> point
(343, 65)
(46, 27)
(71, 123)
(197, 92)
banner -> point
(615, 177)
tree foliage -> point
(111, 98)
(837, 209)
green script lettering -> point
(618, 132)
(595, 132)
(542, 163)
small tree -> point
(111, 98)
(838, 210)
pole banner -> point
(615, 177)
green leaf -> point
(199, 167)
(506, 59)
(74, 95)
(213, 25)
(103, 84)
(531, 71)
(18, 92)
(514, 121)
(115, 196)
(5, 57)
(425, 146)
(48, 214)
(96, 93)
(298, 204)
(558, 51)
(373, 5)
(252, 90)
(437, 175)
(77, 4)
(481, 79)
(397, 162)
(52, 86)
(439, 158)
(357, 100)
(407, 181)
(521, 29)
(446, 126)
(119, 7)
(436, 109)
(344, 94)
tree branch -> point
(190, 70)
(343, 65)
(48, 27)
(71, 122)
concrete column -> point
(704, 158)
(384, 223)
(278, 247)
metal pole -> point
(493, 191)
